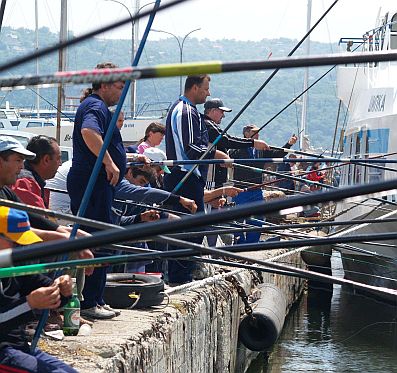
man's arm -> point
(94, 142)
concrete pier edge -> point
(196, 332)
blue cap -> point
(10, 143)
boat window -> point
(64, 156)
(14, 123)
(49, 124)
(3, 115)
(34, 124)
(393, 32)
(393, 27)
(1, 125)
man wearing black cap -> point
(214, 112)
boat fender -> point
(131, 290)
(259, 331)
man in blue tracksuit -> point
(186, 137)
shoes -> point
(97, 312)
(108, 308)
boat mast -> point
(135, 35)
(306, 78)
(36, 18)
(61, 65)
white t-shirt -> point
(60, 201)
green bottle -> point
(71, 314)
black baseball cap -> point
(216, 103)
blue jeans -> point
(180, 271)
(243, 198)
(37, 362)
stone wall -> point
(197, 332)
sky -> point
(217, 19)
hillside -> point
(234, 88)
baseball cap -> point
(10, 143)
(157, 155)
(249, 127)
(216, 103)
(14, 224)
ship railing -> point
(149, 110)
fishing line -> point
(368, 326)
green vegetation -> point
(234, 88)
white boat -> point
(369, 92)
(45, 123)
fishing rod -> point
(84, 203)
(297, 98)
(194, 248)
(280, 227)
(350, 160)
(386, 258)
(57, 215)
(293, 101)
(258, 186)
(171, 163)
(277, 69)
(65, 44)
(224, 131)
(290, 177)
(190, 68)
(10, 257)
(271, 264)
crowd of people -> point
(123, 194)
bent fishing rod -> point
(11, 257)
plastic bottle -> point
(71, 314)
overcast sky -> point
(218, 19)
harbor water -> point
(335, 331)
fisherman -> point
(21, 298)
(287, 168)
(30, 184)
(187, 138)
(30, 188)
(214, 112)
(251, 131)
(92, 122)
(12, 157)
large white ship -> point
(369, 92)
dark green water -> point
(342, 332)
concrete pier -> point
(196, 332)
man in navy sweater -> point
(21, 297)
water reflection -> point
(335, 331)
